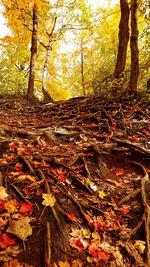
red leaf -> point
(39, 191)
(55, 190)
(5, 241)
(25, 208)
(2, 205)
(12, 146)
(118, 172)
(79, 244)
(96, 251)
(125, 210)
(72, 217)
(26, 190)
(18, 166)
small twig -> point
(48, 245)
(19, 193)
(29, 165)
(129, 196)
(138, 226)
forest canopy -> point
(66, 48)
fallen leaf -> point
(86, 233)
(64, 264)
(96, 235)
(96, 251)
(118, 257)
(30, 178)
(11, 205)
(3, 194)
(101, 194)
(79, 243)
(20, 228)
(72, 217)
(49, 200)
(25, 208)
(16, 263)
(118, 172)
(9, 253)
(20, 150)
(77, 263)
(18, 166)
(12, 146)
(140, 246)
(6, 240)
(125, 210)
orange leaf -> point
(18, 166)
(11, 205)
(118, 172)
(72, 217)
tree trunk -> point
(46, 64)
(134, 48)
(45, 70)
(30, 92)
(123, 39)
(82, 68)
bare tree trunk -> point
(82, 67)
(30, 92)
(46, 64)
(134, 48)
(123, 39)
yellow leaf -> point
(20, 228)
(101, 194)
(27, 177)
(11, 205)
(20, 150)
(64, 264)
(95, 235)
(86, 233)
(49, 200)
(3, 194)
(77, 263)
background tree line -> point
(60, 49)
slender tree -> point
(123, 39)
(30, 92)
(134, 48)
(82, 66)
(46, 64)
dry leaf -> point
(95, 235)
(64, 264)
(16, 263)
(77, 263)
(20, 228)
(9, 253)
(49, 200)
(86, 232)
(11, 205)
(30, 178)
(140, 246)
(3, 194)
(101, 194)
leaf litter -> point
(74, 183)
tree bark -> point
(134, 48)
(82, 67)
(123, 39)
(46, 64)
(30, 92)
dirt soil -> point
(74, 182)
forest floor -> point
(75, 182)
